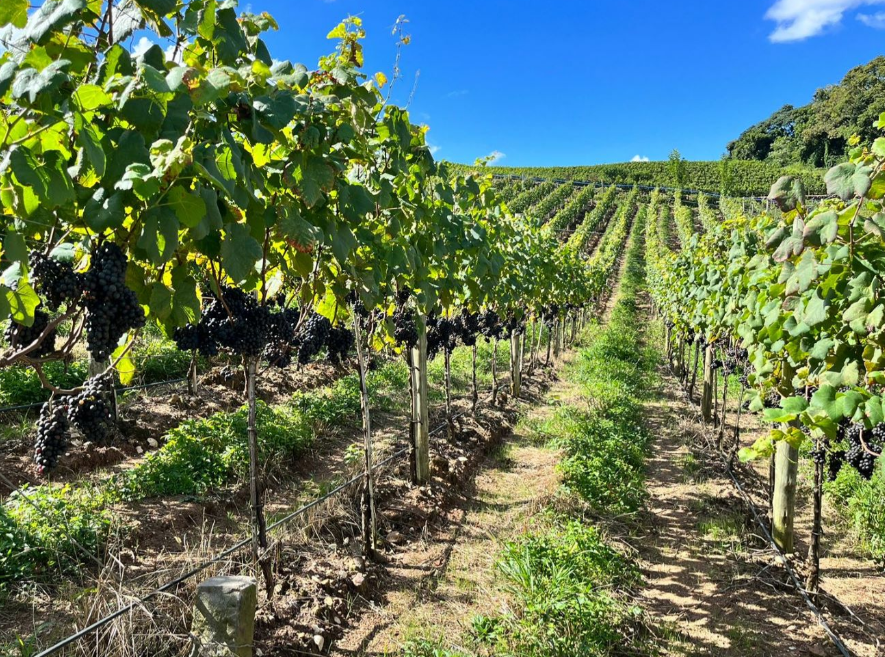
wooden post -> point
(494, 371)
(707, 390)
(556, 344)
(694, 370)
(192, 380)
(475, 397)
(447, 358)
(783, 496)
(369, 522)
(812, 583)
(549, 343)
(420, 420)
(259, 526)
(515, 368)
(562, 344)
(721, 436)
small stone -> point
(319, 641)
(395, 537)
(139, 449)
(462, 459)
(358, 581)
(175, 399)
(329, 602)
(153, 442)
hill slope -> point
(817, 134)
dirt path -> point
(708, 576)
(441, 583)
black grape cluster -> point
(90, 411)
(468, 327)
(405, 330)
(19, 336)
(490, 325)
(772, 399)
(113, 308)
(312, 337)
(513, 326)
(825, 455)
(243, 331)
(442, 335)
(56, 281)
(195, 337)
(281, 338)
(53, 434)
(736, 362)
(549, 315)
(860, 443)
(339, 343)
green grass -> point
(860, 503)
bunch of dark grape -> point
(442, 334)
(864, 446)
(402, 297)
(90, 412)
(237, 322)
(312, 337)
(113, 308)
(281, 337)
(772, 399)
(405, 331)
(56, 281)
(468, 327)
(19, 336)
(513, 325)
(339, 343)
(53, 434)
(490, 325)
(195, 337)
(549, 315)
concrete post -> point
(224, 616)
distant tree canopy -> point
(817, 134)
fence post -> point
(420, 410)
(783, 494)
(707, 390)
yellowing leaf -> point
(380, 78)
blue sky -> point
(584, 82)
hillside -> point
(730, 177)
(816, 134)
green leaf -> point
(20, 297)
(51, 16)
(787, 193)
(159, 7)
(104, 211)
(189, 207)
(90, 141)
(15, 249)
(159, 234)
(794, 405)
(125, 366)
(239, 252)
(848, 180)
(314, 177)
(14, 12)
(89, 97)
(49, 180)
(815, 311)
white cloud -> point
(457, 93)
(495, 156)
(144, 44)
(433, 148)
(800, 19)
(876, 20)
(640, 158)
